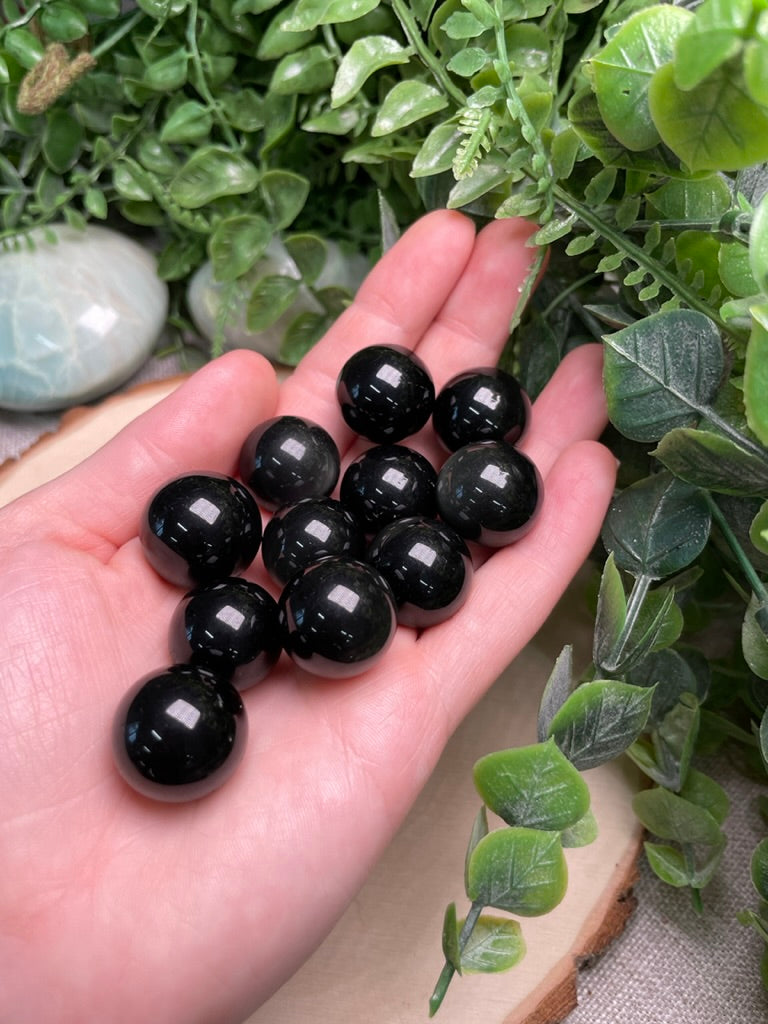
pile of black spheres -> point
(392, 549)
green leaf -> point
(657, 526)
(704, 198)
(95, 203)
(706, 792)
(362, 59)
(668, 864)
(709, 460)
(389, 229)
(451, 950)
(487, 176)
(672, 817)
(62, 140)
(624, 67)
(672, 676)
(662, 372)
(236, 244)
(754, 641)
(244, 109)
(311, 13)
(130, 181)
(600, 720)
(469, 61)
(674, 739)
(756, 374)
(758, 244)
(405, 103)
(734, 269)
(759, 869)
(309, 253)
(711, 38)
(285, 194)
(758, 531)
(495, 944)
(270, 298)
(714, 127)
(659, 622)
(302, 333)
(167, 74)
(334, 122)
(756, 70)
(306, 71)
(520, 870)
(437, 151)
(556, 691)
(23, 46)
(277, 40)
(212, 173)
(63, 22)
(584, 832)
(535, 786)
(190, 122)
(463, 25)
(611, 613)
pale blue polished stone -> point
(77, 319)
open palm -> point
(114, 908)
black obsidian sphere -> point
(289, 458)
(385, 393)
(338, 617)
(489, 492)
(230, 628)
(200, 527)
(486, 404)
(179, 733)
(428, 567)
(389, 482)
(298, 535)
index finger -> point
(395, 305)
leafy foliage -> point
(635, 134)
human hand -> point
(115, 907)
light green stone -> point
(205, 296)
(77, 318)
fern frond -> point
(478, 125)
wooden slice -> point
(381, 961)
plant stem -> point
(448, 971)
(757, 585)
(572, 287)
(517, 109)
(413, 34)
(202, 83)
(111, 40)
(623, 245)
(637, 596)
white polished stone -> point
(77, 318)
(205, 296)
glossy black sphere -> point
(385, 393)
(389, 482)
(486, 404)
(200, 527)
(298, 535)
(230, 628)
(179, 733)
(338, 617)
(428, 567)
(489, 492)
(289, 458)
